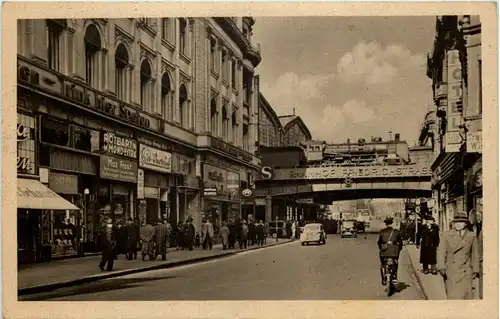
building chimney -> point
(396, 137)
(293, 111)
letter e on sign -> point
(266, 172)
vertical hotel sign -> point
(453, 140)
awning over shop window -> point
(31, 194)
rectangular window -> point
(55, 132)
(165, 29)
(246, 142)
(224, 67)
(183, 36)
(120, 75)
(54, 32)
(213, 54)
(233, 74)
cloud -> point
(376, 89)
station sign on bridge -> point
(342, 172)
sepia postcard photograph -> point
(250, 160)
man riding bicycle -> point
(389, 244)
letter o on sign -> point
(266, 172)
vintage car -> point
(276, 228)
(348, 229)
(313, 233)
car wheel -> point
(303, 244)
(275, 235)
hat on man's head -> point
(388, 220)
(429, 217)
(460, 217)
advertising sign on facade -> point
(351, 172)
(26, 145)
(140, 184)
(116, 145)
(155, 159)
(118, 169)
(474, 142)
(224, 181)
(454, 117)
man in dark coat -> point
(109, 243)
(132, 239)
(251, 233)
(161, 233)
(390, 237)
(232, 234)
(259, 230)
(429, 242)
(190, 233)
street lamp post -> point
(86, 193)
(277, 229)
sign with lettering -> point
(118, 169)
(215, 177)
(210, 191)
(474, 142)
(86, 96)
(311, 173)
(230, 149)
(26, 144)
(454, 98)
(116, 145)
(140, 184)
(155, 159)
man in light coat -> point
(458, 259)
(207, 234)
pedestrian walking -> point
(109, 243)
(244, 235)
(161, 233)
(224, 235)
(190, 233)
(260, 233)
(266, 231)
(147, 240)
(458, 258)
(207, 234)
(251, 233)
(294, 229)
(428, 242)
(232, 234)
(180, 235)
(121, 239)
(132, 239)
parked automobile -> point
(313, 233)
(348, 229)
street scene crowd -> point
(127, 238)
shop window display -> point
(64, 233)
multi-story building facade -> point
(455, 68)
(132, 119)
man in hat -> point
(389, 244)
(428, 240)
(458, 259)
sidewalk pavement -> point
(41, 277)
(432, 285)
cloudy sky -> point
(347, 77)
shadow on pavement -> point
(96, 287)
(400, 286)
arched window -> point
(234, 133)
(166, 97)
(213, 117)
(225, 123)
(121, 63)
(92, 55)
(183, 97)
(146, 75)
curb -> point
(415, 271)
(98, 277)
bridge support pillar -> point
(269, 208)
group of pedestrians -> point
(456, 253)
(243, 233)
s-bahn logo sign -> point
(267, 172)
(318, 173)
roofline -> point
(269, 108)
(301, 123)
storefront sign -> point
(26, 144)
(304, 201)
(116, 145)
(210, 191)
(230, 149)
(152, 192)
(118, 169)
(63, 183)
(140, 184)
(155, 159)
(247, 193)
(267, 172)
(352, 172)
(455, 95)
(215, 177)
(83, 95)
(474, 142)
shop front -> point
(221, 194)
(156, 167)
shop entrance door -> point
(225, 211)
(28, 234)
